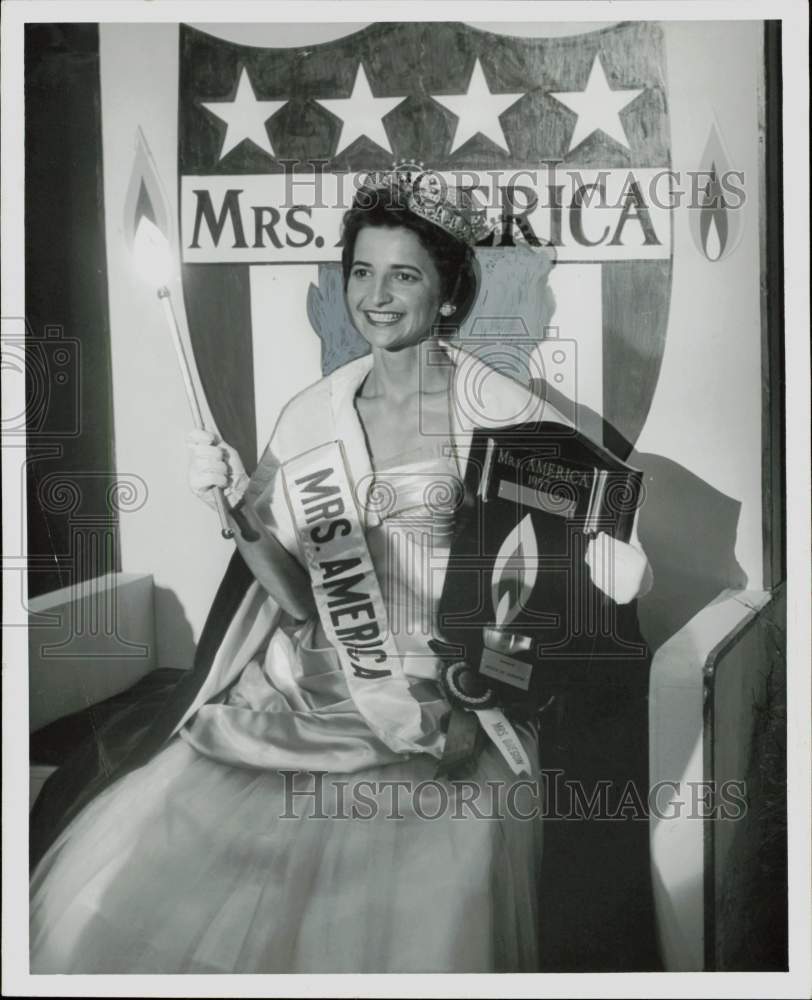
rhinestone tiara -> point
(426, 194)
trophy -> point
(518, 607)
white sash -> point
(348, 596)
(503, 735)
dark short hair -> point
(455, 261)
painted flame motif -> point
(515, 570)
(146, 219)
(715, 224)
(145, 198)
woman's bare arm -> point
(274, 567)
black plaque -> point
(518, 603)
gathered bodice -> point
(410, 509)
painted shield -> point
(564, 140)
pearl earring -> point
(447, 309)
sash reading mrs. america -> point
(348, 596)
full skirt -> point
(192, 865)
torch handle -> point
(191, 394)
(185, 368)
(220, 501)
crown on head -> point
(425, 193)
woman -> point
(232, 850)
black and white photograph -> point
(405, 499)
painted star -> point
(478, 110)
(245, 117)
(598, 107)
(361, 113)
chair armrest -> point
(682, 674)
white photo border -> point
(795, 983)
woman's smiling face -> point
(394, 288)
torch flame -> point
(515, 570)
(147, 229)
(152, 255)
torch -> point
(154, 263)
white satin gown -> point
(233, 851)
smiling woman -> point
(394, 289)
(403, 274)
(226, 852)
(412, 249)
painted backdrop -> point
(580, 141)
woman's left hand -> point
(619, 569)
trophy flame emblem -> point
(515, 571)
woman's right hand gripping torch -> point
(217, 476)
